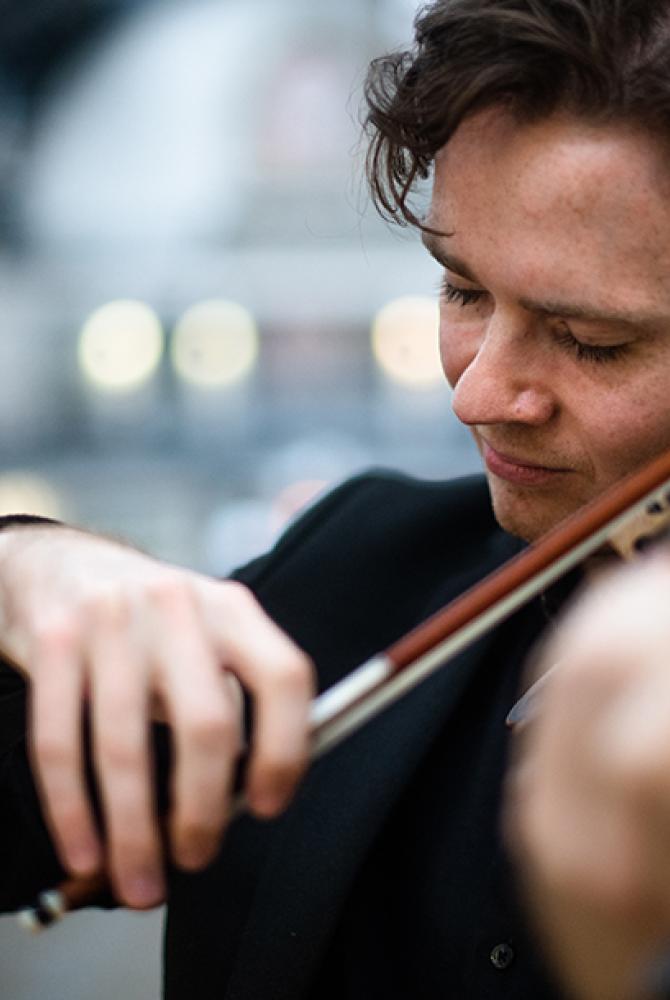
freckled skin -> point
(556, 211)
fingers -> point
(588, 809)
(205, 716)
(166, 637)
(591, 835)
(281, 679)
(119, 699)
(55, 727)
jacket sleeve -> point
(27, 857)
(29, 862)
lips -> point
(513, 460)
(518, 470)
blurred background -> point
(204, 324)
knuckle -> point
(213, 730)
(293, 674)
(119, 754)
(56, 634)
(109, 607)
(239, 595)
(168, 589)
(239, 604)
(52, 749)
(135, 847)
(120, 705)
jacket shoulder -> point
(382, 508)
(371, 560)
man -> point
(545, 125)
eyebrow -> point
(564, 310)
(447, 260)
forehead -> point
(560, 194)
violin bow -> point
(624, 519)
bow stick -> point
(625, 518)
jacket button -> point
(502, 957)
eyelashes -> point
(563, 336)
(589, 352)
(461, 296)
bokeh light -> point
(215, 344)
(405, 342)
(121, 345)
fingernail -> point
(143, 890)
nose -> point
(507, 380)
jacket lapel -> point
(326, 834)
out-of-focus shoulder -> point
(373, 508)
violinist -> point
(385, 872)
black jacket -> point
(375, 557)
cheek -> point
(458, 348)
(623, 431)
(643, 435)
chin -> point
(519, 527)
(527, 514)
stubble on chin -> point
(527, 514)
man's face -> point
(555, 316)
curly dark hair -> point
(600, 60)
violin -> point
(624, 521)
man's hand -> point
(588, 811)
(89, 619)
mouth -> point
(518, 470)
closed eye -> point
(461, 296)
(590, 352)
(564, 337)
